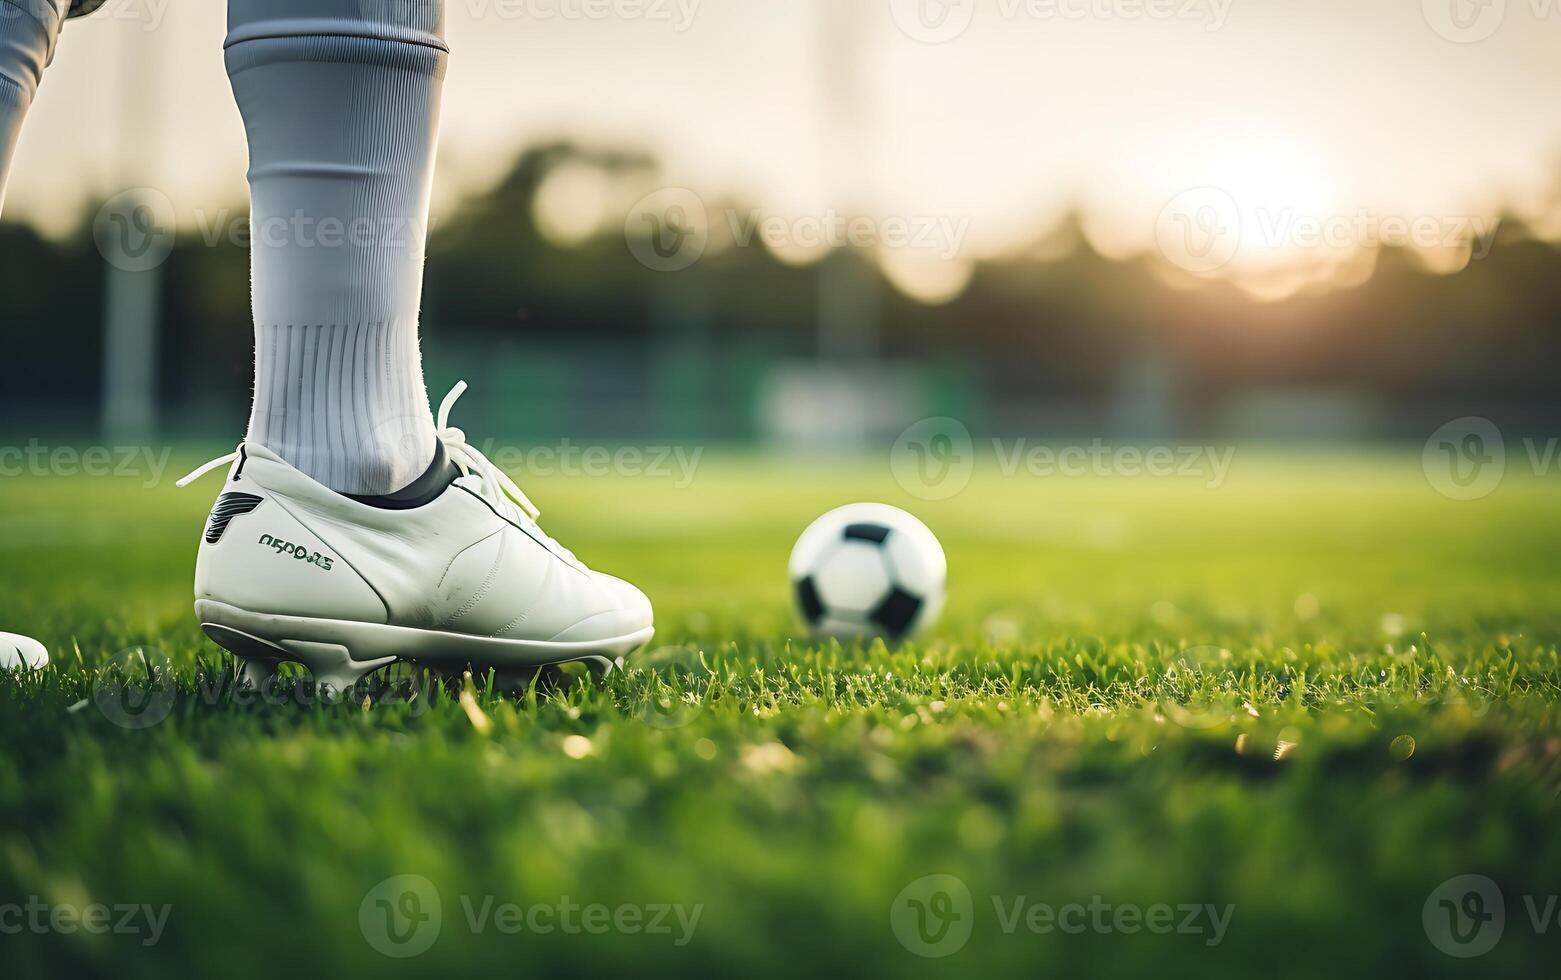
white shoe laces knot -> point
(494, 484)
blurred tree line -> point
(1059, 329)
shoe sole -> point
(340, 653)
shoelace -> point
(494, 485)
(205, 468)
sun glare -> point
(1280, 191)
(1261, 211)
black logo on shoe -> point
(298, 552)
(229, 506)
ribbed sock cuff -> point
(344, 403)
(28, 31)
(400, 55)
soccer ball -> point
(868, 570)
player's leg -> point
(340, 100)
(28, 31)
(351, 531)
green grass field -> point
(1302, 701)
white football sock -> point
(28, 30)
(340, 100)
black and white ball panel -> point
(867, 569)
(853, 576)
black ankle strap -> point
(423, 490)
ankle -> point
(392, 456)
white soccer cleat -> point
(22, 651)
(452, 571)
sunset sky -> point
(1322, 107)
